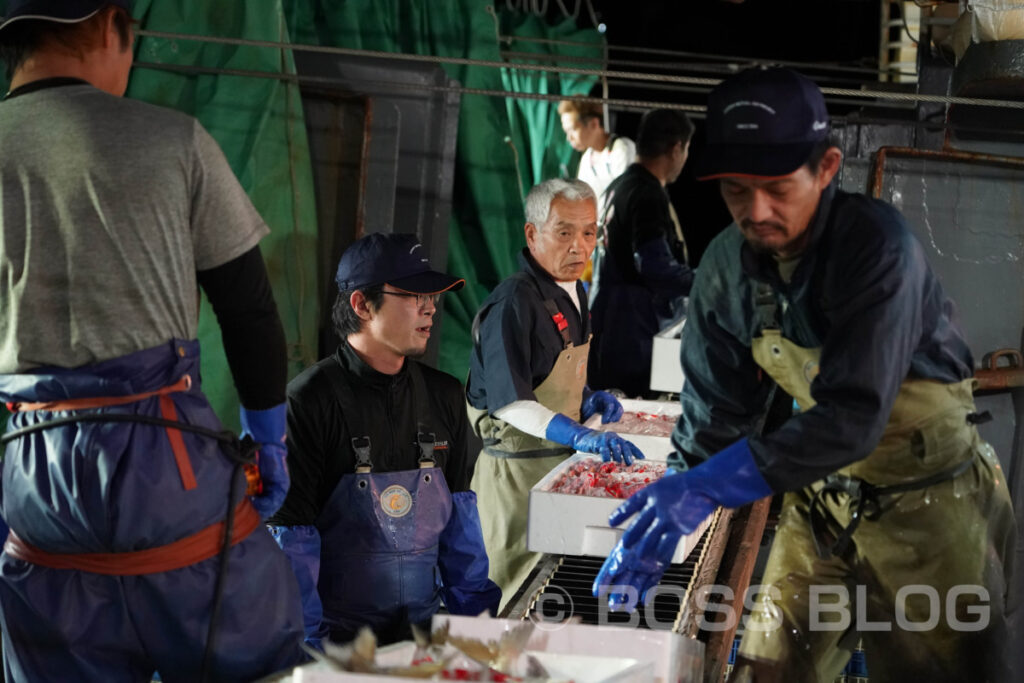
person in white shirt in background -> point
(605, 155)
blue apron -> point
(379, 536)
(112, 487)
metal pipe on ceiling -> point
(627, 75)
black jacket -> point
(319, 443)
(518, 342)
(863, 292)
(641, 282)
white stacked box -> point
(582, 665)
(671, 657)
(653, 447)
(666, 369)
(570, 524)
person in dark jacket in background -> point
(895, 510)
(380, 505)
(642, 277)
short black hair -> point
(22, 38)
(660, 130)
(343, 316)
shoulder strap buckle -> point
(425, 441)
(361, 445)
(766, 307)
(560, 322)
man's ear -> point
(109, 34)
(531, 234)
(360, 305)
(829, 166)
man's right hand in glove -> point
(609, 445)
(670, 507)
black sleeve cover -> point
(254, 342)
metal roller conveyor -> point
(560, 588)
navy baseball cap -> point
(397, 259)
(762, 122)
(62, 11)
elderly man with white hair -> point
(527, 390)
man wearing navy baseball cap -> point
(380, 502)
(824, 298)
(119, 480)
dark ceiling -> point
(837, 39)
(800, 30)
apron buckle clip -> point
(361, 446)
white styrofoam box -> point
(666, 370)
(578, 668)
(672, 657)
(570, 524)
(594, 668)
(653, 447)
(396, 654)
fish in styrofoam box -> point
(593, 477)
(570, 524)
(671, 657)
(653, 447)
(396, 655)
(505, 657)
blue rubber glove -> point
(462, 560)
(609, 445)
(601, 402)
(302, 546)
(267, 428)
(670, 507)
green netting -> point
(486, 228)
(258, 123)
(504, 145)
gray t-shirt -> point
(109, 206)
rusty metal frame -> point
(883, 153)
(734, 568)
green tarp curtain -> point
(504, 145)
(258, 123)
(495, 134)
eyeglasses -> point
(421, 299)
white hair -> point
(538, 201)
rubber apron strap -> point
(185, 552)
(240, 451)
(352, 416)
(560, 322)
(794, 368)
(561, 391)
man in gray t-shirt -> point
(117, 475)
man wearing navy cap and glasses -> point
(825, 298)
(380, 523)
(118, 478)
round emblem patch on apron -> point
(396, 501)
(811, 370)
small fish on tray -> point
(360, 656)
(441, 655)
